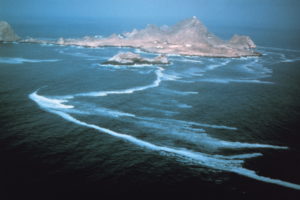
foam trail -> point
(24, 60)
(240, 156)
(240, 145)
(156, 83)
(226, 81)
(291, 60)
(224, 163)
(112, 113)
(186, 131)
(127, 66)
(176, 92)
(252, 174)
(184, 123)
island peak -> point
(7, 34)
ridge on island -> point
(188, 37)
(129, 58)
(7, 34)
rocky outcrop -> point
(7, 34)
(242, 42)
(129, 58)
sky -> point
(254, 13)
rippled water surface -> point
(221, 124)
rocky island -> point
(129, 58)
(189, 37)
(7, 34)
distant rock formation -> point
(7, 34)
(129, 58)
(189, 37)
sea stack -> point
(7, 34)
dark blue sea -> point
(200, 127)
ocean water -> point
(199, 126)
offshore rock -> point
(129, 58)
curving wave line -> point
(8, 60)
(224, 163)
(159, 77)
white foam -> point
(291, 60)
(164, 112)
(252, 174)
(226, 81)
(127, 66)
(49, 103)
(8, 60)
(139, 51)
(217, 65)
(111, 112)
(170, 77)
(241, 145)
(240, 156)
(252, 81)
(189, 123)
(47, 44)
(188, 60)
(173, 55)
